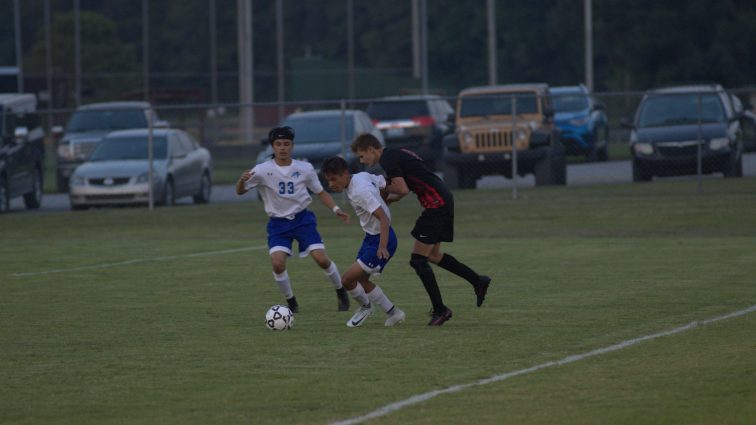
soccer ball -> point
(279, 318)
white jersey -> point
(284, 188)
(364, 195)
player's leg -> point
(352, 279)
(330, 270)
(419, 262)
(281, 276)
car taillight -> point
(424, 121)
(375, 121)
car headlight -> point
(65, 151)
(467, 138)
(718, 143)
(643, 148)
(77, 180)
(144, 177)
(579, 121)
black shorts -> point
(435, 225)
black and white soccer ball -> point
(279, 318)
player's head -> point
(281, 140)
(367, 148)
(336, 172)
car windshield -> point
(93, 120)
(397, 109)
(569, 102)
(498, 104)
(318, 130)
(118, 148)
(680, 109)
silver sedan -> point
(117, 171)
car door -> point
(179, 165)
(194, 162)
(18, 168)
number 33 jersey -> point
(284, 188)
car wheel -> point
(600, 149)
(734, 166)
(4, 195)
(77, 207)
(203, 196)
(33, 198)
(169, 195)
(451, 176)
(62, 183)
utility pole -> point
(77, 52)
(492, 55)
(415, 40)
(424, 45)
(587, 8)
(213, 57)
(146, 49)
(280, 59)
(350, 48)
(246, 73)
(19, 55)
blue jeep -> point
(583, 122)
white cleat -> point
(396, 317)
(359, 317)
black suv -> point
(415, 122)
(674, 125)
(89, 124)
(22, 151)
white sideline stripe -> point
(137, 261)
(419, 398)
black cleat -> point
(293, 305)
(481, 289)
(439, 319)
(343, 297)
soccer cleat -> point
(481, 289)
(395, 317)
(343, 297)
(439, 319)
(359, 317)
(293, 305)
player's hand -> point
(246, 175)
(382, 253)
(342, 216)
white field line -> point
(137, 261)
(419, 398)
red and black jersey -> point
(431, 191)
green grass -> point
(181, 340)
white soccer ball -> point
(279, 318)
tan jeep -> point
(496, 124)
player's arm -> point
(328, 201)
(385, 225)
(241, 184)
(396, 189)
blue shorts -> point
(367, 257)
(303, 228)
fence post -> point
(513, 140)
(150, 158)
(699, 160)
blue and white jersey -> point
(284, 189)
(365, 196)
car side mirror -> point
(162, 124)
(20, 134)
(57, 131)
(626, 123)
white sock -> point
(284, 284)
(377, 296)
(333, 274)
(358, 293)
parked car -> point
(117, 171)
(415, 122)
(488, 136)
(582, 119)
(748, 123)
(89, 124)
(318, 135)
(673, 124)
(22, 151)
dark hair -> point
(364, 141)
(334, 165)
(285, 132)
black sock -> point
(424, 271)
(451, 264)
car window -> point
(569, 102)
(498, 104)
(319, 129)
(89, 120)
(185, 142)
(389, 110)
(680, 109)
(121, 148)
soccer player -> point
(407, 172)
(378, 246)
(283, 184)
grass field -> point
(119, 316)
